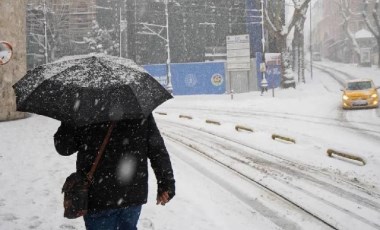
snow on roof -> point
(363, 33)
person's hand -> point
(163, 198)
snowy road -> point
(305, 188)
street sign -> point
(263, 67)
(238, 53)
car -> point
(360, 93)
(317, 56)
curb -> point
(213, 122)
(330, 152)
(274, 136)
(240, 127)
(185, 116)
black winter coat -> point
(121, 178)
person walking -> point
(120, 185)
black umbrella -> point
(89, 89)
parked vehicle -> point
(360, 93)
(317, 56)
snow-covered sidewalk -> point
(32, 174)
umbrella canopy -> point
(89, 89)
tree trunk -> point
(294, 53)
(302, 57)
(378, 54)
(287, 80)
(299, 56)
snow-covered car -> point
(317, 56)
(360, 93)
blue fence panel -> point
(273, 73)
(192, 78)
(158, 72)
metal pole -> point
(169, 75)
(120, 29)
(45, 34)
(263, 41)
(262, 26)
(311, 47)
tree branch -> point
(346, 14)
(376, 17)
(366, 20)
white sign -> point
(263, 67)
(238, 53)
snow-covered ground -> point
(210, 196)
(354, 70)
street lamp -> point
(264, 82)
(311, 47)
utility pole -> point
(168, 61)
(263, 46)
(151, 30)
(120, 29)
(123, 25)
(45, 34)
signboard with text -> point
(238, 53)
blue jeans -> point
(113, 219)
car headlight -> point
(374, 95)
(345, 97)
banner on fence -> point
(273, 69)
(192, 78)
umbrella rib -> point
(135, 98)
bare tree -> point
(281, 31)
(56, 19)
(298, 45)
(100, 40)
(374, 29)
(347, 13)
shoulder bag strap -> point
(90, 174)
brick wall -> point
(12, 29)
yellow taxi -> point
(360, 93)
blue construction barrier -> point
(273, 73)
(192, 78)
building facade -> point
(68, 23)
(197, 29)
(331, 39)
(12, 24)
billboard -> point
(238, 53)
